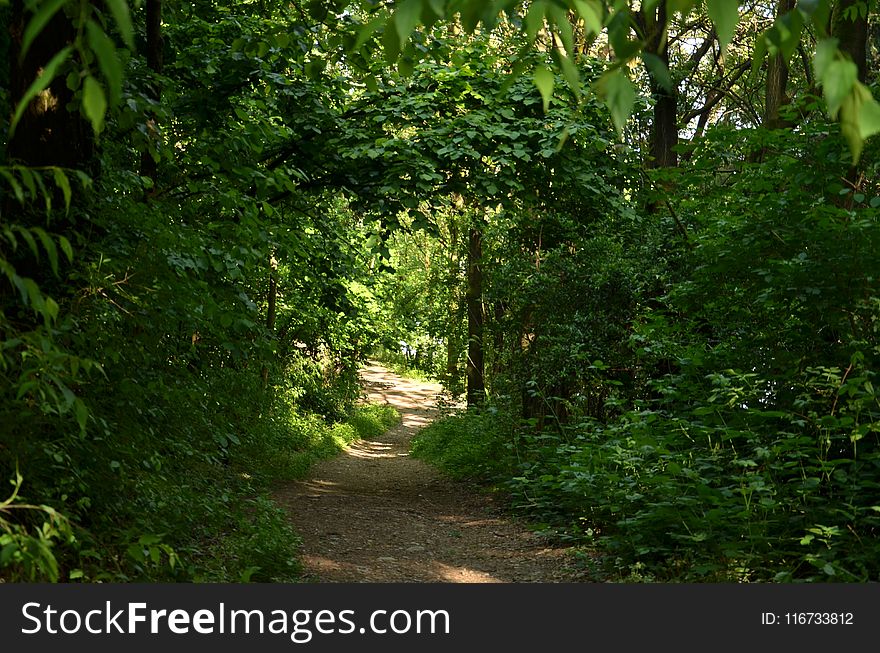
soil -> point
(375, 514)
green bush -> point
(469, 445)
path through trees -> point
(375, 514)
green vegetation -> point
(637, 240)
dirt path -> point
(375, 514)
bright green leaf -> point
(544, 79)
(869, 118)
(535, 19)
(590, 12)
(725, 15)
(620, 96)
(571, 74)
(826, 53)
(563, 26)
(94, 103)
(837, 84)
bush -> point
(472, 445)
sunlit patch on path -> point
(375, 514)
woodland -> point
(638, 240)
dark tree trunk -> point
(154, 35)
(476, 388)
(453, 317)
(271, 309)
(154, 63)
(48, 134)
(852, 34)
(664, 129)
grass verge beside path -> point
(219, 522)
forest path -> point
(375, 514)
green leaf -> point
(869, 119)
(366, 32)
(620, 96)
(535, 19)
(725, 15)
(437, 6)
(17, 190)
(820, 15)
(122, 17)
(63, 183)
(40, 84)
(36, 24)
(27, 178)
(470, 14)
(759, 54)
(544, 79)
(563, 26)
(94, 103)
(837, 83)
(31, 242)
(859, 118)
(81, 412)
(571, 74)
(591, 13)
(406, 17)
(49, 246)
(682, 7)
(791, 25)
(826, 53)
(658, 70)
(108, 60)
(391, 42)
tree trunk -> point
(47, 134)
(271, 309)
(776, 85)
(664, 129)
(155, 64)
(852, 34)
(452, 311)
(476, 388)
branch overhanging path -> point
(375, 514)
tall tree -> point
(476, 383)
(776, 86)
(664, 127)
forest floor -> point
(375, 514)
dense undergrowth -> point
(725, 425)
(183, 499)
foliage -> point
(470, 445)
(745, 447)
(567, 25)
(679, 364)
(28, 552)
